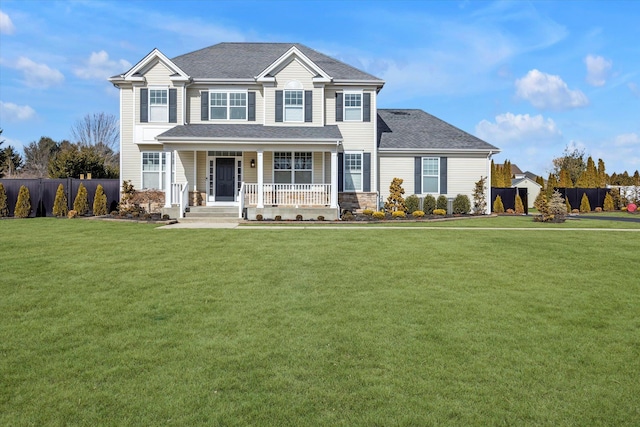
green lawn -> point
(108, 323)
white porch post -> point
(167, 179)
(195, 171)
(260, 179)
(334, 179)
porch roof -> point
(250, 132)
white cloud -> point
(635, 90)
(597, 70)
(38, 75)
(15, 113)
(99, 66)
(510, 128)
(6, 26)
(627, 140)
(547, 91)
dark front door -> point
(225, 187)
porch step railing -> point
(288, 194)
(180, 196)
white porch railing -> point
(241, 200)
(180, 196)
(287, 194)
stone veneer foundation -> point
(357, 202)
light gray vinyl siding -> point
(194, 107)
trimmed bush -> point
(320, 218)
(4, 207)
(23, 204)
(479, 197)
(441, 203)
(60, 203)
(598, 209)
(429, 204)
(395, 201)
(584, 204)
(519, 205)
(378, 215)
(81, 202)
(566, 201)
(367, 212)
(72, 214)
(398, 214)
(441, 212)
(498, 206)
(412, 203)
(557, 206)
(417, 214)
(100, 202)
(278, 218)
(608, 203)
(298, 217)
(347, 216)
(259, 217)
(461, 204)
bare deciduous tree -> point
(100, 130)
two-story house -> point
(280, 129)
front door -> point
(225, 184)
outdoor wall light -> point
(253, 163)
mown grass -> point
(121, 324)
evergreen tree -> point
(100, 202)
(429, 204)
(569, 209)
(565, 179)
(552, 184)
(479, 197)
(4, 207)
(60, 203)
(602, 175)
(519, 205)
(592, 174)
(557, 205)
(498, 207)
(441, 202)
(506, 174)
(81, 202)
(541, 205)
(395, 201)
(494, 175)
(583, 180)
(584, 204)
(608, 203)
(23, 204)
(540, 180)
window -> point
(292, 168)
(293, 106)
(430, 175)
(153, 170)
(352, 171)
(228, 105)
(352, 106)
(158, 105)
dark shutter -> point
(417, 176)
(204, 105)
(144, 105)
(251, 106)
(340, 171)
(366, 172)
(339, 107)
(173, 105)
(443, 175)
(366, 107)
(278, 106)
(308, 106)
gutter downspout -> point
(488, 208)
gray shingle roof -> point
(413, 129)
(247, 60)
(252, 132)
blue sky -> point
(528, 77)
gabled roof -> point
(249, 60)
(251, 132)
(415, 130)
(516, 181)
(135, 72)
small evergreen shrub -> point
(259, 217)
(557, 207)
(598, 209)
(479, 197)
(510, 211)
(461, 204)
(519, 205)
(378, 215)
(347, 216)
(398, 214)
(584, 204)
(441, 212)
(320, 218)
(100, 202)
(72, 214)
(568, 205)
(367, 212)
(4, 207)
(165, 217)
(395, 201)
(278, 218)
(298, 217)
(23, 204)
(417, 214)
(498, 207)
(441, 203)
(60, 203)
(575, 211)
(608, 203)
(429, 204)
(81, 202)
(412, 203)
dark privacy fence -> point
(42, 192)
(508, 196)
(595, 195)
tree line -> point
(94, 152)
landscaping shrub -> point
(575, 211)
(632, 207)
(510, 211)
(412, 203)
(81, 203)
(259, 217)
(479, 197)
(429, 204)
(441, 212)
(608, 203)
(557, 206)
(417, 214)
(4, 207)
(166, 217)
(568, 204)
(298, 217)
(395, 201)
(367, 212)
(498, 207)
(378, 215)
(278, 218)
(60, 203)
(461, 204)
(72, 214)
(519, 205)
(441, 203)
(100, 202)
(584, 203)
(23, 204)
(598, 209)
(347, 216)
(320, 218)
(398, 214)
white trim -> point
(160, 171)
(157, 88)
(210, 184)
(284, 105)
(344, 104)
(315, 70)
(344, 171)
(144, 62)
(422, 175)
(293, 169)
(228, 92)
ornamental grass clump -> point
(417, 214)
(498, 206)
(412, 203)
(439, 212)
(378, 215)
(60, 203)
(585, 206)
(23, 204)
(429, 204)
(4, 208)
(398, 214)
(100, 202)
(461, 204)
(81, 203)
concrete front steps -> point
(226, 214)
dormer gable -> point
(268, 74)
(137, 72)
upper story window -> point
(158, 105)
(430, 175)
(352, 106)
(228, 105)
(293, 106)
